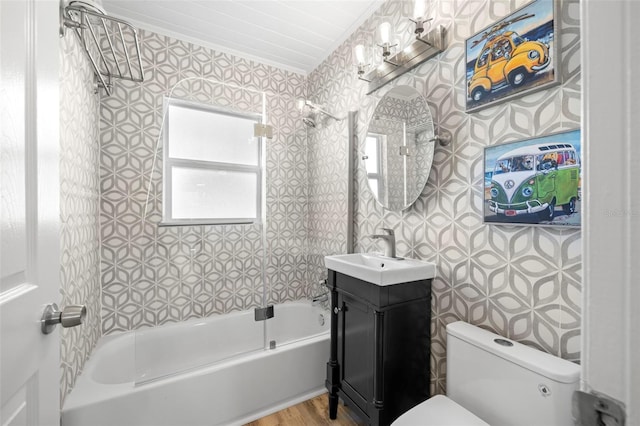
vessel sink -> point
(380, 270)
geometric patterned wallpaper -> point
(79, 203)
(152, 275)
(520, 281)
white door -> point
(611, 224)
(29, 187)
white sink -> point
(380, 270)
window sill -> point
(207, 222)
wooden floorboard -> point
(313, 412)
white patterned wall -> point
(520, 281)
(523, 282)
(327, 189)
(152, 275)
(79, 203)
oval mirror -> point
(398, 149)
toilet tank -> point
(506, 383)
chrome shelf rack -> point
(110, 44)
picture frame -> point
(515, 56)
(534, 181)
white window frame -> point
(169, 163)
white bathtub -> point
(172, 386)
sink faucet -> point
(390, 239)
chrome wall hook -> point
(443, 137)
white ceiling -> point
(296, 35)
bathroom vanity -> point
(380, 340)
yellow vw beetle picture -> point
(507, 57)
(513, 56)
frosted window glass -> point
(373, 184)
(211, 136)
(371, 151)
(215, 194)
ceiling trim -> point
(200, 42)
(304, 68)
(356, 24)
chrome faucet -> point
(322, 297)
(390, 239)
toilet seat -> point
(438, 411)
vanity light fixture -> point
(426, 45)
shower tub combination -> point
(210, 371)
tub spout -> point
(316, 300)
(322, 297)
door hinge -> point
(262, 130)
(404, 150)
(262, 314)
(597, 410)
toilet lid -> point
(438, 411)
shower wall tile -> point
(152, 275)
(520, 281)
(79, 203)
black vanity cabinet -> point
(380, 344)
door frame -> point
(611, 213)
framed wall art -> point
(534, 181)
(514, 56)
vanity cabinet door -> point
(379, 360)
(356, 349)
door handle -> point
(70, 316)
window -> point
(517, 40)
(212, 166)
(482, 59)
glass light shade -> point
(419, 10)
(385, 32)
(361, 57)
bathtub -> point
(190, 373)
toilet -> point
(495, 381)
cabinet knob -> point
(336, 310)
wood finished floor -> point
(313, 412)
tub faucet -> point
(322, 297)
(390, 240)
